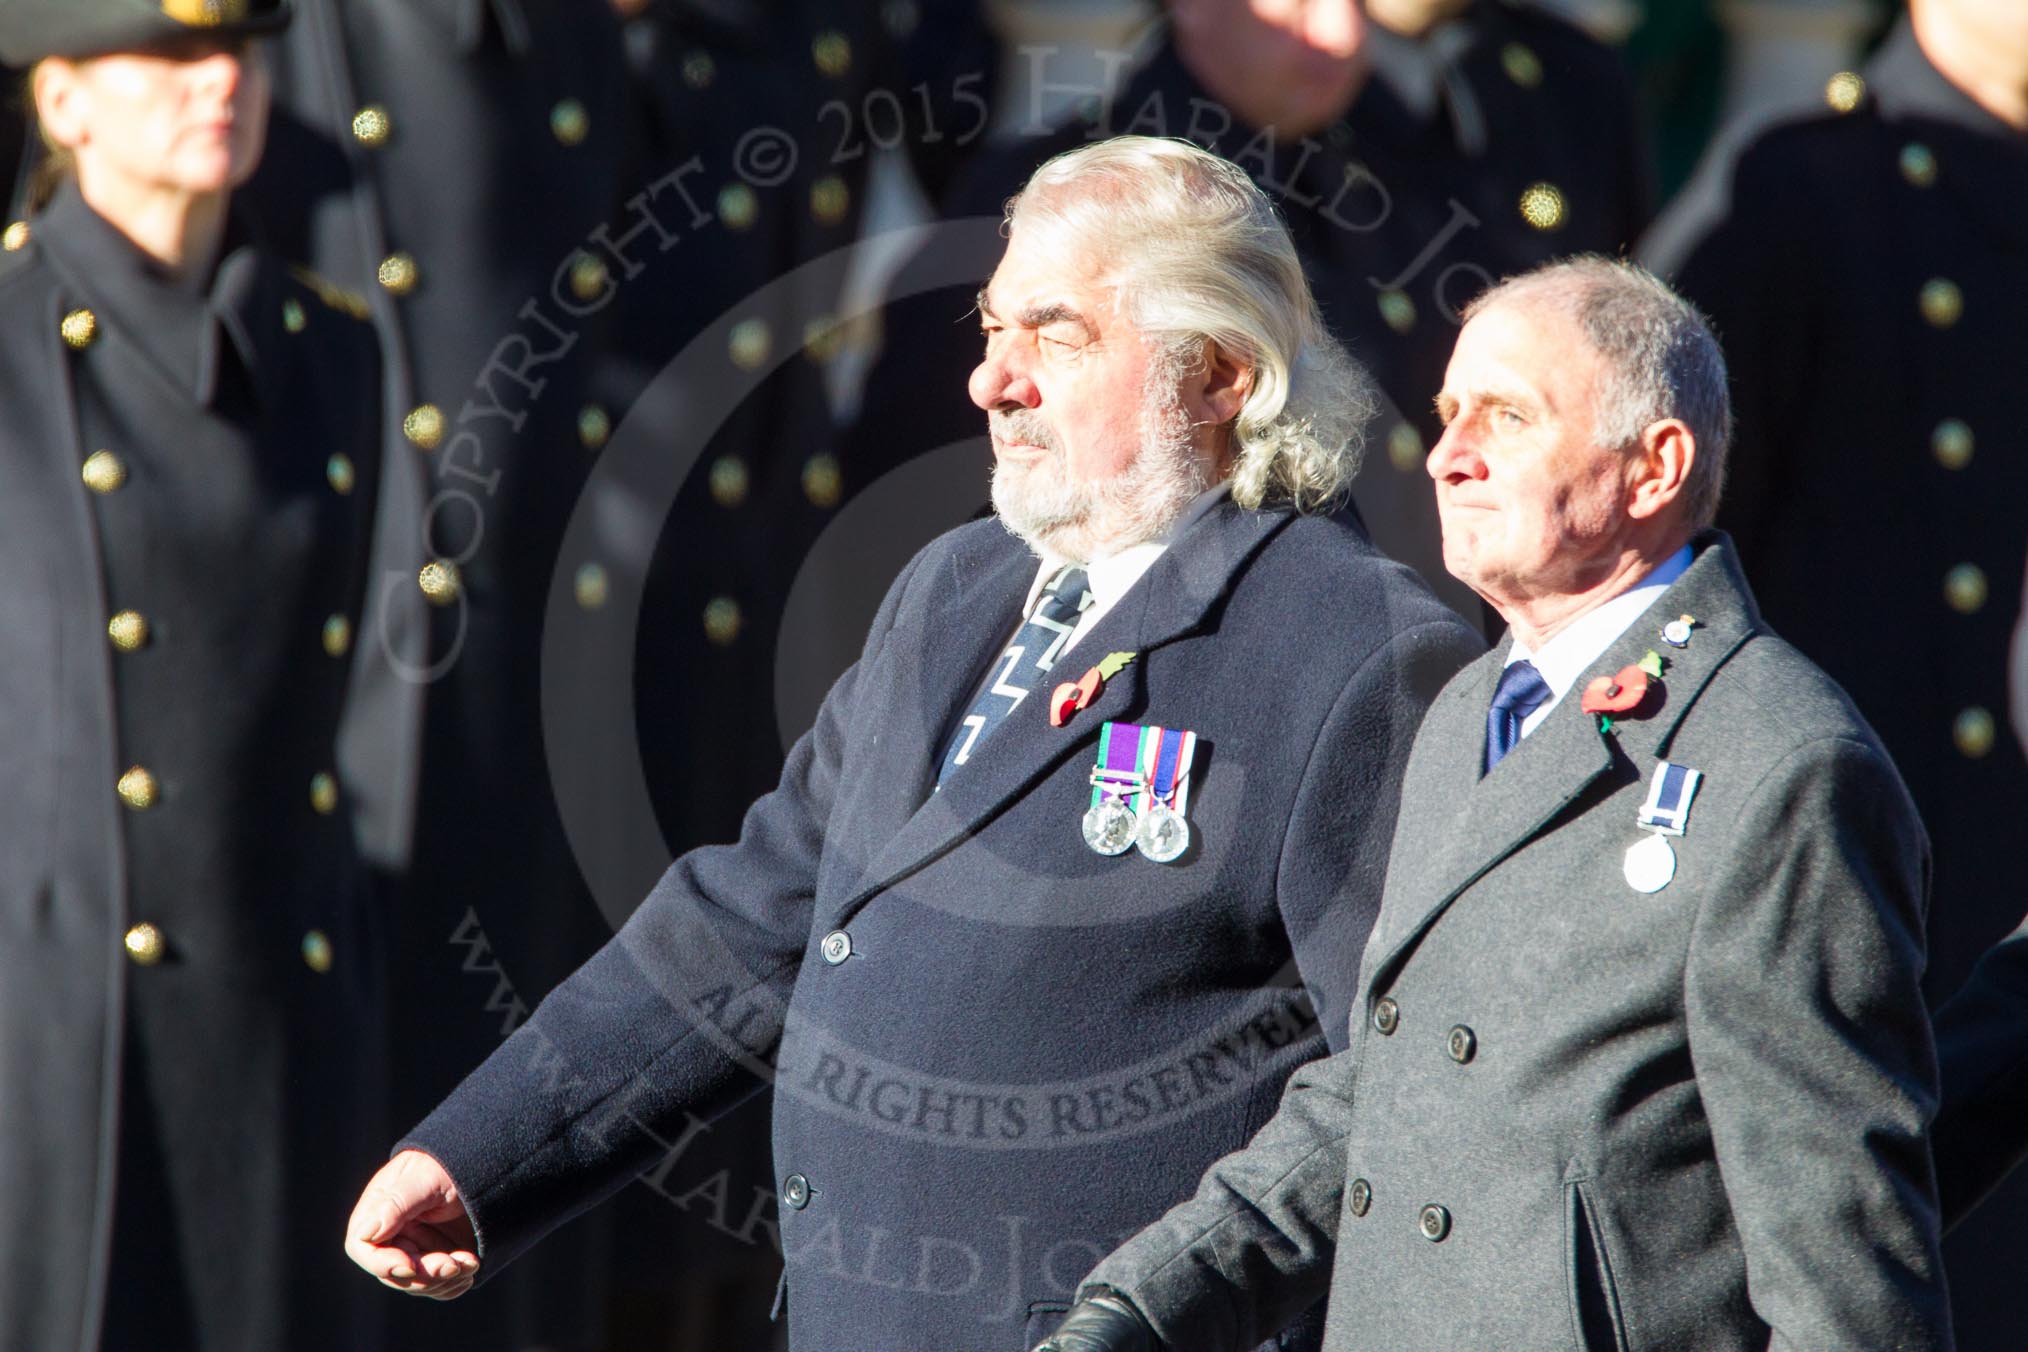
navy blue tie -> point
(1022, 666)
(1520, 693)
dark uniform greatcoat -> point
(994, 1049)
(1868, 280)
(190, 982)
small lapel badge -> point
(1651, 863)
(1072, 696)
(1141, 791)
(1676, 633)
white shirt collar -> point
(1570, 654)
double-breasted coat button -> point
(795, 1192)
(569, 122)
(1941, 301)
(371, 126)
(294, 317)
(737, 206)
(1951, 443)
(398, 274)
(1464, 1044)
(1386, 1016)
(1435, 1223)
(317, 951)
(1405, 450)
(339, 471)
(1522, 65)
(832, 51)
(723, 621)
(1362, 1197)
(323, 793)
(440, 582)
(823, 481)
(1844, 90)
(594, 426)
(14, 237)
(128, 630)
(837, 947)
(146, 944)
(80, 328)
(337, 636)
(1543, 206)
(138, 790)
(1965, 588)
(1396, 309)
(104, 472)
(730, 479)
(1918, 164)
(1973, 731)
(592, 586)
(830, 200)
(749, 343)
(424, 427)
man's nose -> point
(998, 382)
(222, 71)
(1454, 457)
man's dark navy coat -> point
(1029, 1049)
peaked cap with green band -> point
(33, 29)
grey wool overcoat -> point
(1574, 1115)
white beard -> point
(1074, 522)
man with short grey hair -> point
(1638, 1056)
(1073, 869)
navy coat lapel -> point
(1176, 596)
(1462, 825)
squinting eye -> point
(1507, 417)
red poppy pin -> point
(1623, 692)
(1072, 696)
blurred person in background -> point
(1868, 275)
(191, 975)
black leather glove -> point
(1105, 1322)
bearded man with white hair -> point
(1073, 870)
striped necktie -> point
(1022, 666)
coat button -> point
(146, 944)
(569, 122)
(323, 793)
(337, 636)
(722, 621)
(1464, 1044)
(1362, 1197)
(128, 630)
(1543, 206)
(1844, 90)
(1941, 301)
(1918, 164)
(424, 427)
(1973, 731)
(104, 472)
(837, 947)
(795, 1192)
(138, 790)
(79, 328)
(1951, 443)
(1965, 588)
(398, 274)
(15, 237)
(317, 951)
(371, 126)
(440, 582)
(340, 473)
(823, 481)
(730, 481)
(1435, 1223)
(1386, 1016)
(594, 426)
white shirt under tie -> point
(1567, 656)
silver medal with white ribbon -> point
(1650, 862)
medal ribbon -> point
(1118, 777)
(1669, 793)
(1172, 766)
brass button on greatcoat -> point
(138, 789)
(569, 122)
(1965, 588)
(323, 793)
(729, 481)
(1918, 164)
(128, 630)
(424, 427)
(1397, 310)
(14, 237)
(440, 582)
(371, 126)
(738, 207)
(104, 472)
(1405, 450)
(1362, 1197)
(1522, 65)
(830, 200)
(339, 472)
(294, 318)
(398, 274)
(1844, 90)
(832, 51)
(1942, 302)
(1464, 1045)
(317, 953)
(1543, 206)
(594, 426)
(823, 481)
(723, 621)
(750, 342)
(1386, 1016)
(80, 328)
(1973, 731)
(337, 636)
(146, 944)
(837, 947)
(1951, 443)
(795, 1192)
(592, 587)
(1434, 1222)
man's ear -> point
(1661, 467)
(1223, 384)
(59, 98)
